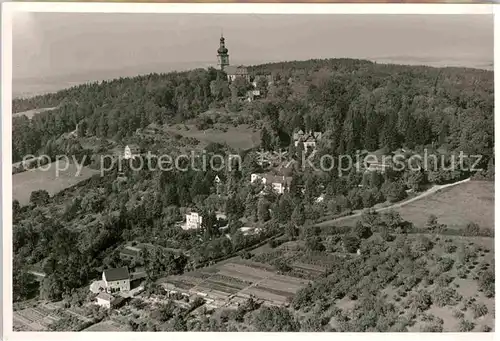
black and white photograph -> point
(250, 172)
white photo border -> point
(8, 8)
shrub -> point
(487, 283)
(273, 243)
(479, 309)
(245, 255)
(421, 300)
(445, 264)
(362, 231)
(432, 327)
(351, 243)
(485, 329)
(445, 296)
(450, 248)
(472, 229)
(462, 273)
(458, 314)
(443, 280)
(465, 326)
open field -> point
(30, 113)
(241, 137)
(37, 179)
(455, 206)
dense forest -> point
(357, 105)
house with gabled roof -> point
(131, 151)
(104, 300)
(309, 139)
(117, 279)
(279, 183)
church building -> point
(232, 72)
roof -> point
(310, 136)
(236, 70)
(116, 274)
(133, 147)
(129, 252)
(271, 178)
(105, 296)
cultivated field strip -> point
(265, 295)
(242, 279)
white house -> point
(279, 183)
(104, 300)
(253, 94)
(193, 221)
(116, 279)
(131, 151)
(309, 140)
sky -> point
(91, 46)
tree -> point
(362, 231)
(393, 191)
(371, 218)
(315, 244)
(266, 140)
(351, 243)
(472, 230)
(274, 319)
(299, 215)
(209, 224)
(291, 231)
(263, 210)
(415, 180)
(39, 197)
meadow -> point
(241, 137)
(50, 180)
(455, 207)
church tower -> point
(222, 54)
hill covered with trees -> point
(357, 105)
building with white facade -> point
(131, 151)
(193, 221)
(279, 183)
(308, 140)
(104, 300)
(116, 279)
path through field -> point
(432, 190)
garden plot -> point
(34, 319)
(242, 279)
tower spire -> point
(222, 52)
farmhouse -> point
(193, 221)
(309, 140)
(279, 183)
(131, 151)
(116, 279)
